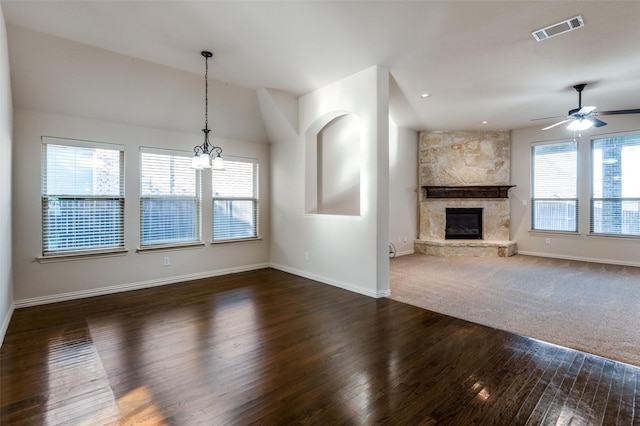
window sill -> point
(614, 236)
(81, 255)
(546, 232)
(237, 241)
(151, 249)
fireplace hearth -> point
(463, 224)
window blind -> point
(615, 186)
(170, 200)
(554, 202)
(235, 200)
(82, 196)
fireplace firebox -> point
(463, 224)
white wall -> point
(37, 282)
(52, 74)
(80, 92)
(6, 112)
(337, 157)
(403, 188)
(616, 250)
(347, 251)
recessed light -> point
(484, 122)
(425, 95)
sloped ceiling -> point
(476, 58)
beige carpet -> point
(586, 306)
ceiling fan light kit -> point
(580, 124)
(583, 118)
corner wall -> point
(403, 188)
(6, 119)
(346, 251)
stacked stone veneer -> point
(464, 158)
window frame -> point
(196, 198)
(255, 199)
(567, 200)
(621, 199)
(46, 195)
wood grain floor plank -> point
(546, 409)
(615, 394)
(629, 389)
(268, 347)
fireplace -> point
(463, 224)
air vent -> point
(559, 28)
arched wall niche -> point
(333, 165)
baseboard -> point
(579, 258)
(340, 284)
(405, 253)
(5, 323)
(23, 303)
(43, 300)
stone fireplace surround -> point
(465, 169)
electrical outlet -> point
(547, 241)
(306, 256)
(166, 261)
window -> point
(554, 205)
(615, 186)
(82, 196)
(235, 200)
(169, 199)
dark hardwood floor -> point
(267, 347)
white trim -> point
(165, 151)
(81, 143)
(340, 284)
(592, 235)
(79, 255)
(579, 258)
(5, 323)
(238, 159)
(231, 241)
(166, 247)
(43, 300)
(549, 232)
(23, 303)
(405, 253)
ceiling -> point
(477, 59)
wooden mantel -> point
(484, 191)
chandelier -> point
(207, 156)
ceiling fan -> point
(582, 118)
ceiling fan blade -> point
(585, 110)
(621, 111)
(548, 118)
(597, 123)
(557, 124)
